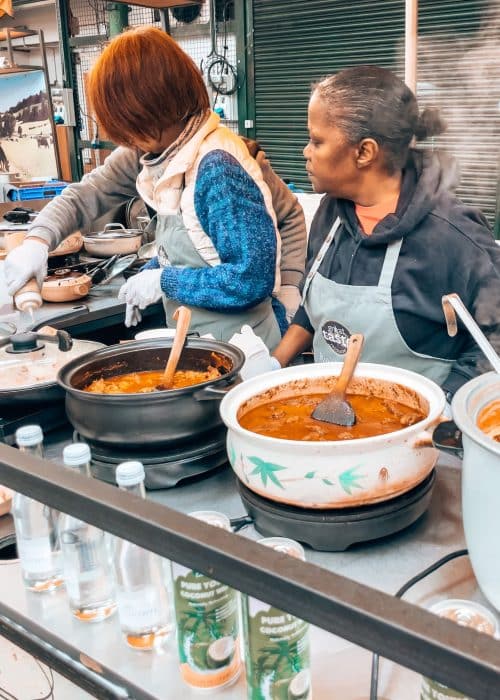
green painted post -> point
(117, 18)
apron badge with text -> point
(336, 335)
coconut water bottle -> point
(87, 561)
(36, 526)
(276, 643)
(207, 616)
(141, 593)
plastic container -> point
(46, 191)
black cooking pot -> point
(150, 419)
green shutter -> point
(296, 42)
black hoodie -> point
(447, 247)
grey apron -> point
(175, 248)
(337, 310)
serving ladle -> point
(452, 306)
(335, 408)
(183, 317)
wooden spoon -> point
(335, 408)
(183, 317)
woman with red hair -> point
(218, 248)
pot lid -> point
(34, 359)
(112, 231)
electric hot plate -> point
(164, 467)
(337, 529)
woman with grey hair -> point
(389, 238)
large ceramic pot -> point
(334, 474)
(160, 418)
(481, 481)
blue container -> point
(44, 190)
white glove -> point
(290, 298)
(142, 289)
(23, 263)
(132, 315)
(257, 357)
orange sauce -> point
(489, 420)
(145, 382)
(290, 418)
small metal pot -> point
(114, 240)
(149, 419)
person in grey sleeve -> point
(291, 227)
(114, 182)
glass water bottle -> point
(36, 526)
(141, 593)
(87, 558)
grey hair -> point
(372, 102)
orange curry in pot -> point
(148, 381)
(288, 417)
(488, 420)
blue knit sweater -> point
(231, 210)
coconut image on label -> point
(220, 652)
(300, 686)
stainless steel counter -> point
(99, 309)
(340, 669)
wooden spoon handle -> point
(183, 317)
(354, 349)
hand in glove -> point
(23, 263)
(140, 291)
(132, 316)
(257, 357)
(290, 298)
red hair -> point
(144, 83)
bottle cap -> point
(76, 454)
(212, 517)
(129, 473)
(29, 435)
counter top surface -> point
(339, 668)
(100, 298)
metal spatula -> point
(183, 317)
(335, 408)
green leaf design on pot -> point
(327, 482)
(231, 453)
(310, 475)
(266, 470)
(349, 480)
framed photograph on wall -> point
(27, 135)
